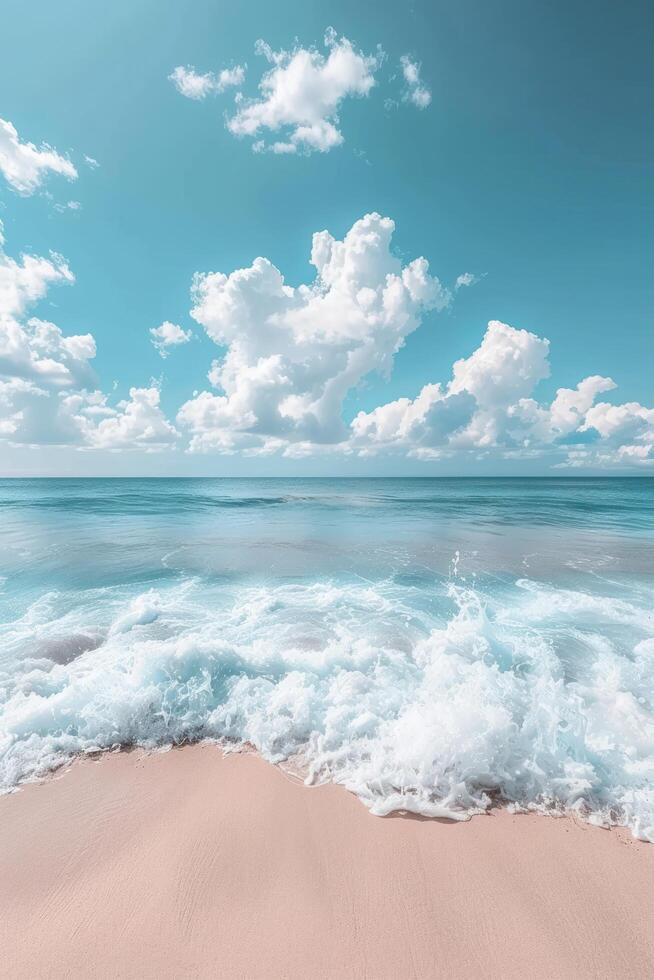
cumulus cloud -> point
(84, 420)
(25, 166)
(38, 351)
(626, 436)
(566, 414)
(169, 335)
(136, 423)
(301, 95)
(630, 421)
(48, 392)
(287, 358)
(472, 411)
(507, 365)
(415, 92)
(197, 86)
(26, 281)
(293, 353)
(487, 408)
(418, 427)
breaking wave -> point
(440, 700)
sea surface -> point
(435, 645)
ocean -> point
(438, 646)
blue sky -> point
(531, 169)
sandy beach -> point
(326, 491)
(192, 864)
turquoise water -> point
(435, 645)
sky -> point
(326, 238)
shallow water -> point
(434, 645)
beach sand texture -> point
(189, 864)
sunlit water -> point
(437, 646)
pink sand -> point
(193, 865)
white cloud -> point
(91, 162)
(301, 95)
(25, 282)
(465, 279)
(472, 411)
(606, 458)
(289, 358)
(84, 419)
(566, 414)
(38, 351)
(169, 335)
(630, 421)
(194, 85)
(191, 84)
(137, 422)
(231, 77)
(25, 166)
(506, 366)
(47, 383)
(626, 436)
(415, 92)
(486, 408)
(419, 428)
(293, 353)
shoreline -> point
(191, 863)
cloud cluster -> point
(193, 85)
(48, 392)
(301, 95)
(293, 353)
(625, 436)
(471, 411)
(169, 335)
(136, 422)
(416, 92)
(288, 358)
(487, 408)
(25, 166)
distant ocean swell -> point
(441, 696)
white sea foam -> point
(141, 612)
(532, 695)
